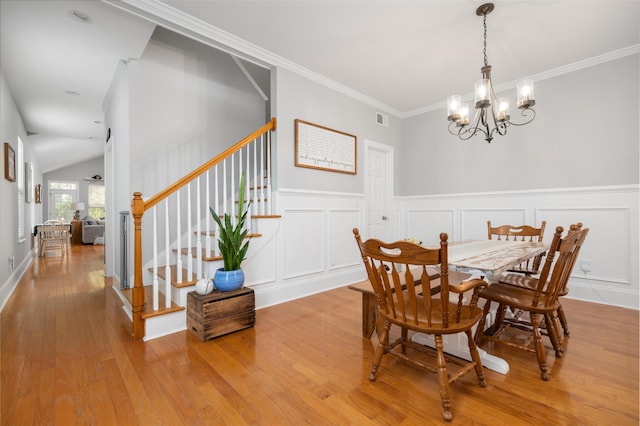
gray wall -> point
(188, 102)
(12, 128)
(300, 98)
(585, 134)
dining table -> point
(490, 260)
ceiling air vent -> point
(382, 119)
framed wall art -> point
(37, 193)
(322, 148)
(9, 163)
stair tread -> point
(205, 258)
(148, 301)
(186, 282)
(208, 234)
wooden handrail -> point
(271, 125)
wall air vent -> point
(382, 119)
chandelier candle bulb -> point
(464, 115)
(453, 108)
(482, 92)
(503, 110)
(526, 97)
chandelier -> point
(492, 115)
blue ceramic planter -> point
(228, 280)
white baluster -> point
(167, 248)
(240, 171)
(179, 239)
(247, 155)
(224, 188)
(189, 250)
(256, 190)
(262, 175)
(233, 187)
(247, 196)
(207, 215)
(269, 206)
(216, 202)
(249, 214)
(155, 262)
(198, 232)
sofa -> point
(92, 230)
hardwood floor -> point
(67, 358)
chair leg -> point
(443, 380)
(475, 356)
(563, 320)
(554, 333)
(539, 346)
(481, 323)
(382, 345)
(404, 334)
(500, 315)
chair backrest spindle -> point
(520, 233)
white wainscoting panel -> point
(609, 229)
(611, 213)
(303, 234)
(427, 224)
(315, 249)
(473, 222)
(343, 251)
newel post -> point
(137, 210)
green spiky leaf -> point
(232, 240)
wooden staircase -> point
(152, 313)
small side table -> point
(76, 232)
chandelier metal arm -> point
(524, 112)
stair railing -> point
(251, 156)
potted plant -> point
(233, 245)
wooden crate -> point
(220, 313)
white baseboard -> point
(10, 285)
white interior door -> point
(378, 190)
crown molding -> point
(162, 14)
(189, 26)
(545, 75)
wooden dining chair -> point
(520, 233)
(540, 304)
(531, 283)
(404, 300)
(52, 237)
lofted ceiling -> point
(404, 57)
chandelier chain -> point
(484, 50)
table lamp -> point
(77, 207)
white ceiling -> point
(46, 52)
(403, 56)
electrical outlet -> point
(11, 263)
(585, 266)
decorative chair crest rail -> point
(251, 156)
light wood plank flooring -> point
(68, 359)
